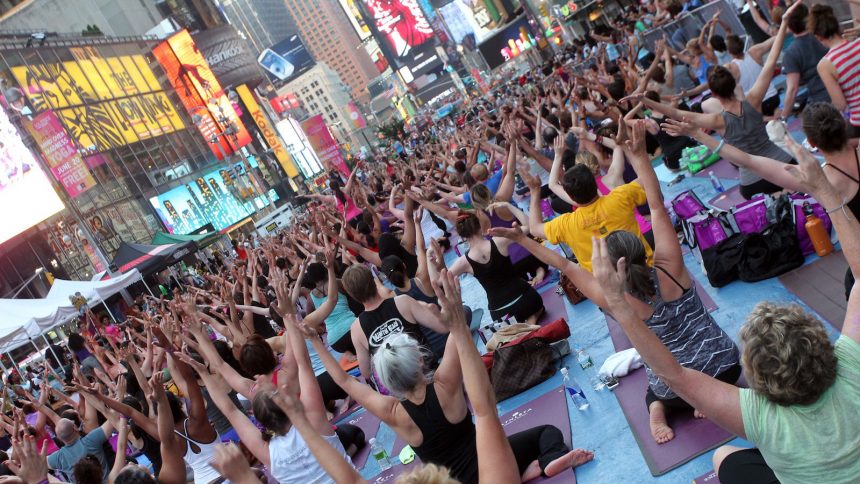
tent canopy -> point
(28, 318)
(150, 258)
(202, 240)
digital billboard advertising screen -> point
(221, 197)
(202, 94)
(286, 60)
(508, 43)
(402, 23)
(26, 194)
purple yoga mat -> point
(722, 169)
(693, 437)
(725, 201)
(368, 423)
(548, 409)
(346, 412)
(554, 307)
(708, 478)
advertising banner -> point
(402, 23)
(221, 197)
(271, 137)
(26, 194)
(355, 116)
(286, 60)
(201, 94)
(61, 154)
(511, 41)
(228, 55)
(102, 102)
(324, 144)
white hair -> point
(399, 364)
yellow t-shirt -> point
(611, 212)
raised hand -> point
(31, 463)
(612, 278)
(513, 233)
(531, 181)
(232, 464)
(808, 171)
(679, 128)
(447, 289)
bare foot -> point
(698, 414)
(539, 277)
(350, 356)
(660, 429)
(572, 459)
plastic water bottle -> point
(575, 391)
(717, 184)
(378, 452)
(587, 366)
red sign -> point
(285, 102)
(201, 94)
(324, 144)
(401, 22)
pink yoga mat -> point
(548, 409)
(368, 423)
(693, 437)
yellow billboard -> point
(103, 102)
(271, 136)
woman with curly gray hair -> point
(802, 409)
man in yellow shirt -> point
(595, 215)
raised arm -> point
(506, 187)
(535, 213)
(317, 318)
(756, 95)
(555, 173)
(172, 464)
(311, 396)
(705, 121)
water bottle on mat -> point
(378, 452)
(574, 390)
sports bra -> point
(199, 455)
(854, 204)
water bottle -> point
(717, 184)
(587, 366)
(574, 390)
(378, 452)
(817, 232)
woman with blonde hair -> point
(802, 409)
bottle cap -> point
(372, 441)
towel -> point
(621, 363)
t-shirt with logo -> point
(380, 323)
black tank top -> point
(854, 204)
(498, 279)
(446, 444)
(416, 293)
(386, 320)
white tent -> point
(24, 319)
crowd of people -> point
(238, 374)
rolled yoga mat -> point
(548, 409)
(368, 423)
(693, 436)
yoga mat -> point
(554, 307)
(693, 436)
(725, 201)
(708, 478)
(346, 412)
(347, 365)
(367, 422)
(821, 286)
(722, 169)
(548, 409)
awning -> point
(150, 258)
(202, 240)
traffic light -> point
(49, 277)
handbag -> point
(687, 205)
(518, 367)
(566, 286)
(775, 251)
(705, 230)
(553, 332)
(750, 216)
(798, 200)
(720, 262)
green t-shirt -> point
(814, 443)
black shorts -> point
(529, 304)
(761, 186)
(746, 467)
(769, 105)
(344, 344)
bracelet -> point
(719, 146)
(832, 210)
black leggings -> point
(529, 265)
(746, 467)
(329, 389)
(761, 186)
(849, 282)
(529, 304)
(344, 344)
(543, 444)
(350, 435)
(729, 376)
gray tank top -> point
(747, 132)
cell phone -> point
(276, 64)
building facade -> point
(332, 40)
(263, 22)
(112, 17)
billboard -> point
(355, 116)
(354, 14)
(61, 154)
(297, 142)
(468, 22)
(286, 60)
(324, 144)
(402, 23)
(228, 55)
(221, 197)
(267, 131)
(102, 102)
(26, 194)
(201, 94)
(511, 41)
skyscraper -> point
(331, 39)
(264, 22)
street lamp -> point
(26, 283)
